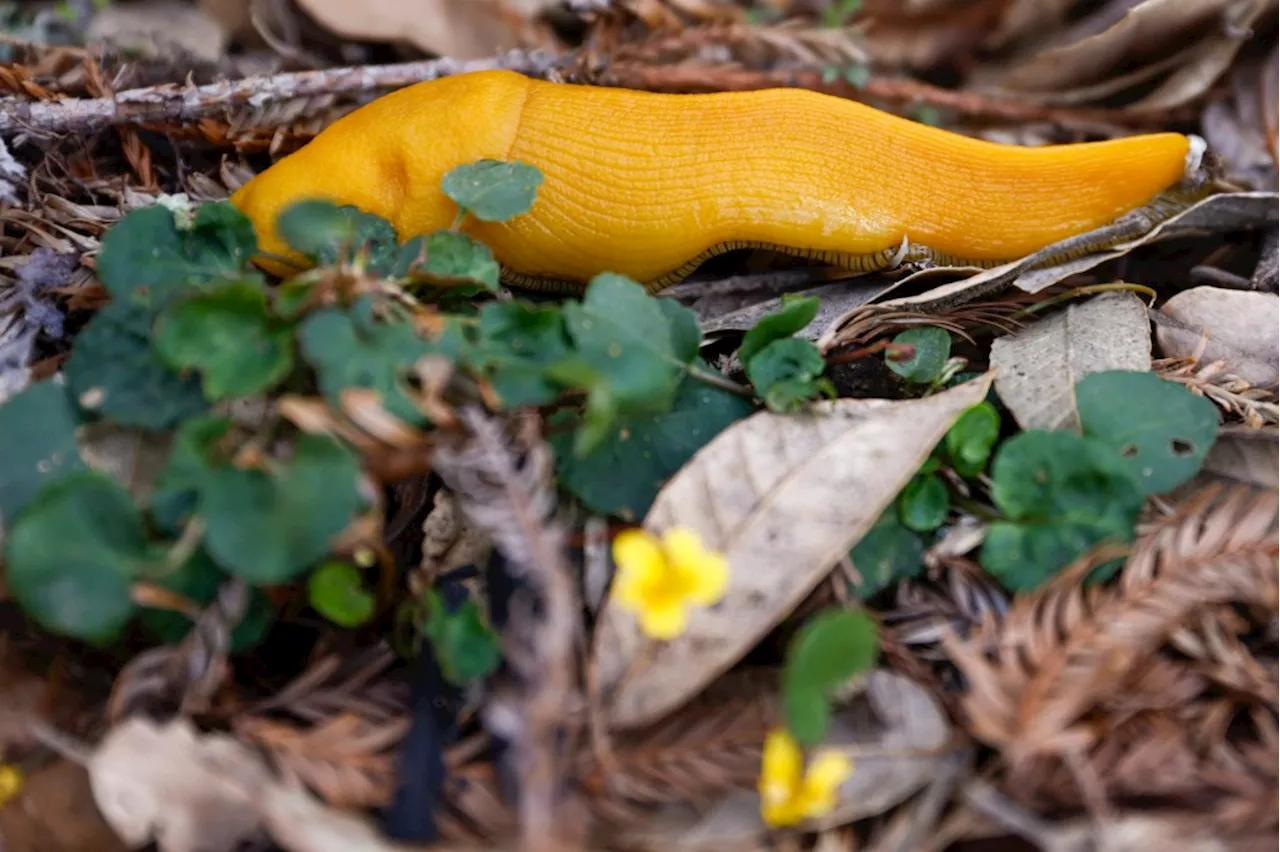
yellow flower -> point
(10, 782)
(659, 579)
(789, 793)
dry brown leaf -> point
(461, 29)
(1245, 455)
(1143, 31)
(784, 498)
(1038, 367)
(132, 456)
(1240, 327)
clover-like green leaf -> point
(1159, 430)
(465, 645)
(455, 258)
(787, 372)
(627, 338)
(336, 591)
(114, 371)
(72, 555)
(624, 473)
(230, 337)
(796, 313)
(828, 650)
(1061, 494)
(932, 347)
(269, 526)
(971, 438)
(38, 426)
(353, 349)
(889, 552)
(924, 503)
(148, 259)
(493, 190)
(517, 343)
(330, 234)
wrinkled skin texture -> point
(645, 184)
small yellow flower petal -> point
(821, 788)
(704, 573)
(663, 618)
(11, 782)
(781, 764)
(640, 567)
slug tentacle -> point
(651, 185)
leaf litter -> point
(1117, 692)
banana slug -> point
(651, 185)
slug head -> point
(388, 157)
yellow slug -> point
(650, 185)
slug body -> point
(649, 185)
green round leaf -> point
(830, 648)
(464, 645)
(72, 555)
(114, 371)
(923, 503)
(453, 257)
(807, 714)
(889, 552)
(624, 473)
(270, 527)
(787, 372)
(517, 343)
(493, 190)
(796, 313)
(971, 438)
(336, 591)
(229, 336)
(200, 580)
(330, 234)
(627, 339)
(1061, 494)
(38, 447)
(932, 349)
(148, 260)
(1160, 431)
(350, 349)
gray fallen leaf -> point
(783, 497)
(1239, 455)
(1038, 367)
(1243, 329)
(160, 29)
(837, 298)
(1226, 213)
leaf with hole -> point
(1159, 430)
(1061, 494)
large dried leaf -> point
(1240, 327)
(461, 29)
(1142, 30)
(895, 735)
(784, 497)
(1038, 367)
(1241, 454)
